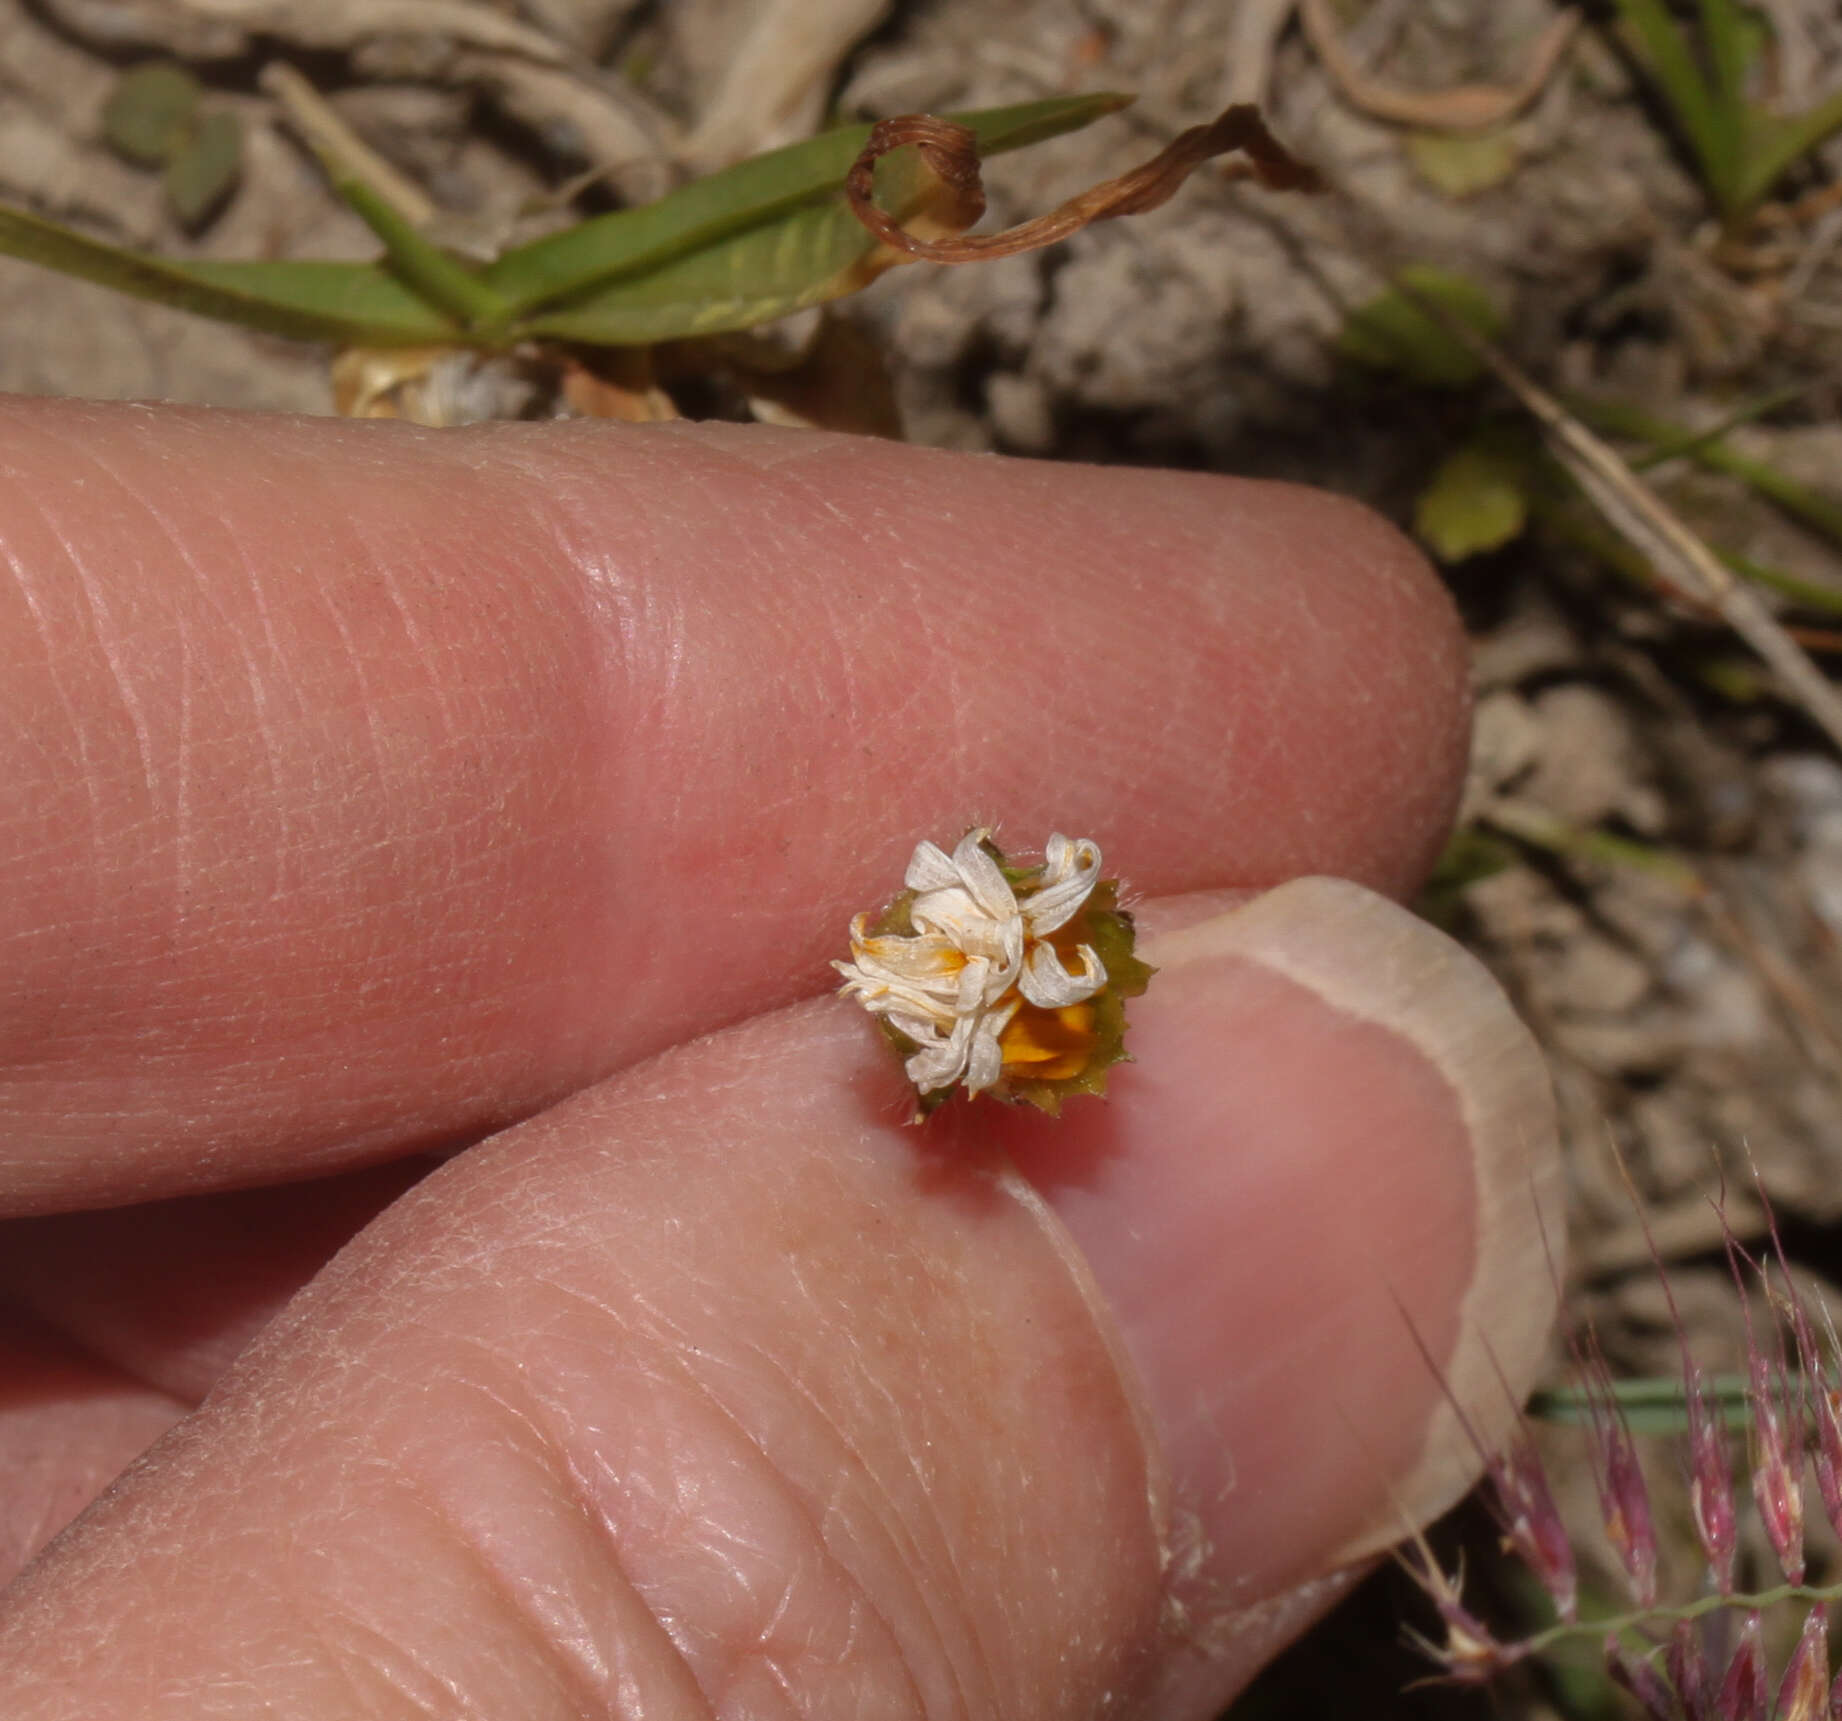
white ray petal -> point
(983, 877)
(1070, 871)
(929, 868)
(1049, 986)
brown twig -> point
(951, 154)
(1468, 107)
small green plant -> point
(1741, 149)
(1480, 494)
(771, 235)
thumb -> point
(718, 1390)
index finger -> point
(367, 788)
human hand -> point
(367, 791)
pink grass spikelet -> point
(1624, 1500)
(1710, 1468)
(1826, 1412)
(1803, 1693)
(1532, 1526)
(1824, 1401)
(1470, 1654)
(1777, 1483)
(1777, 1446)
(1710, 1459)
(1709, 1454)
(1687, 1661)
(1777, 1411)
(1743, 1692)
(1636, 1674)
(1628, 1524)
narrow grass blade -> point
(1650, 1406)
(424, 267)
(1715, 131)
(1733, 42)
(1797, 500)
(353, 303)
(1779, 144)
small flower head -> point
(1010, 981)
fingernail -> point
(1329, 1182)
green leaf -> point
(354, 303)
(439, 280)
(1715, 130)
(1392, 333)
(150, 111)
(1779, 144)
(1477, 500)
(204, 169)
(752, 196)
(1735, 37)
(1470, 856)
(802, 258)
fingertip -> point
(377, 745)
(1319, 1206)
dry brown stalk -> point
(1466, 107)
(951, 155)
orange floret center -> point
(1048, 1045)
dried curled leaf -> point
(951, 154)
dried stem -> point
(1655, 530)
(1468, 107)
(951, 154)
